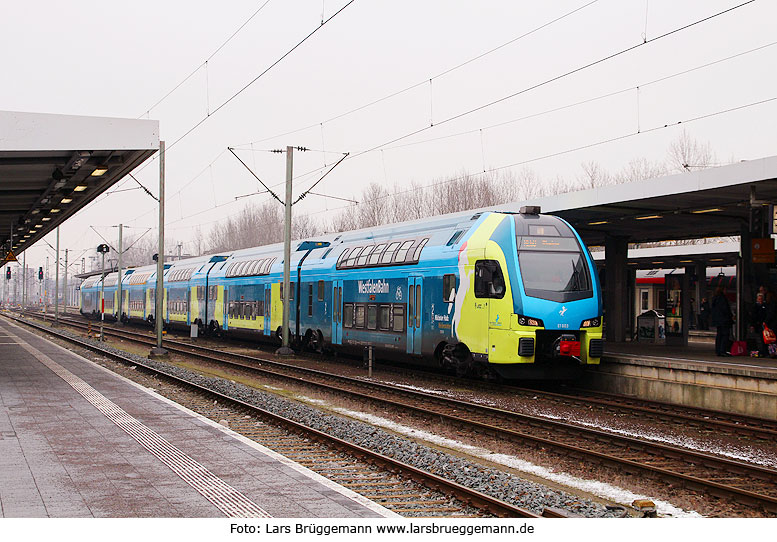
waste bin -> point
(650, 327)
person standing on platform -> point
(758, 319)
(704, 314)
(722, 319)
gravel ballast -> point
(491, 481)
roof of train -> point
(437, 229)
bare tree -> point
(304, 227)
(374, 206)
(593, 175)
(640, 169)
(685, 154)
(526, 185)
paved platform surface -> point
(700, 354)
(79, 441)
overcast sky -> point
(118, 59)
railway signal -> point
(102, 249)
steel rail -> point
(470, 496)
(625, 443)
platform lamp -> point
(102, 249)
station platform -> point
(690, 375)
(77, 440)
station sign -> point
(762, 250)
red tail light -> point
(569, 348)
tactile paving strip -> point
(226, 498)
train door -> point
(225, 313)
(337, 312)
(414, 306)
(267, 324)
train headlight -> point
(592, 322)
(529, 321)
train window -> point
(418, 306)
(348, 315)
(310, 299)
(419, 248)
(411, 309)
(388, 255)
(449, 288)
(292, 287)
(364, 254)
(376, 254)
(352, 256)
(402, 252)
(384, 312)
(343, 256)
(489, 280)
(359, 318)
(372, 316)
(454, 238)
(320, 290)
(399, 318)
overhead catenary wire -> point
(553, 79)
(534, 115)
(427, 80)
(205, 62)
(583, 102)
(250, 83)
(557, 77)
(255, 79)
(575, 149)
(653, 39)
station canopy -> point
(712, 255)
(712, 202)
(52, 166)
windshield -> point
(558, 276)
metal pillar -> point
(118, 312)
(24, 279)
(102, 300)
(285, 350)
(64, 287)
(160, 262)
(56, 283)
(616, 288)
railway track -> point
(397, 486)
(706, 421)
(743, 482)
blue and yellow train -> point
(511, 294)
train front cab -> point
(531, 307)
